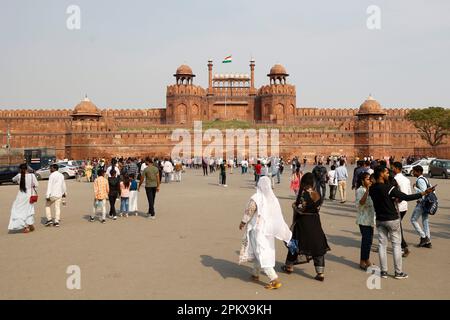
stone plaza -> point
(191, 250)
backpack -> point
(429, 203)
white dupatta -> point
(271, 221)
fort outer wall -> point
(142, 132)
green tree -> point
(433, 123)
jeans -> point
(366, 241)
(257, 176)
(205, 170)
(124, 205)
(333, 192)
(404, 244)
(342, 185)
(151, 194)
(321, 188)
(167, 177)
(390, 230)
(112, 205)
(48, 212)
(417, 213)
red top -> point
(258, 168)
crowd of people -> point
(381, 193)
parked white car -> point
(67, 171)
(424, 163)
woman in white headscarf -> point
(263, 222)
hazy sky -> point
(126, 52)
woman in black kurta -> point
(308, 239)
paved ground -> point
(191, 250)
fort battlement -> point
(88, 131)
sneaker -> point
(423, 242)
(384, 274)
(91, 219)
(56, 224)
(319, 277)
(428, 245)
(152, 217)
(401, 276)
(135, 214)
(225, 185)
(126, 215)
(114, 218)
(103, 221)
(110, 216)
(49, 223)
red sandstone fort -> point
(88, 131)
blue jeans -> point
(417, 213)
(257, 176)
(124, 205)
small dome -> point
(86, 108)
(278, 69)
(184, 70)
(370, 106)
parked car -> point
(66, 170)
(439, 168)
(407, 170)
(9, 172)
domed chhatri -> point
(278, 70)
(371, 106)
(86, 109)
(278, 74)
(184, 70)
(184, 75)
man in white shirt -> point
(168, 169)
(341, 177)
(56, 190)
(405, 187)
(113, 165)
(244, 166)
(332, 182)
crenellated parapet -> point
(277, 89)
(133, 113)
(36, 113)
(326, 112)
(183, 89)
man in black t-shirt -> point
(383, 195)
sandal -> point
(287, 269)
(275, 284)
(26, 230)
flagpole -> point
(226, 89)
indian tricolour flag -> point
(228, 59)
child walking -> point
(133, 201)
(124, 195)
